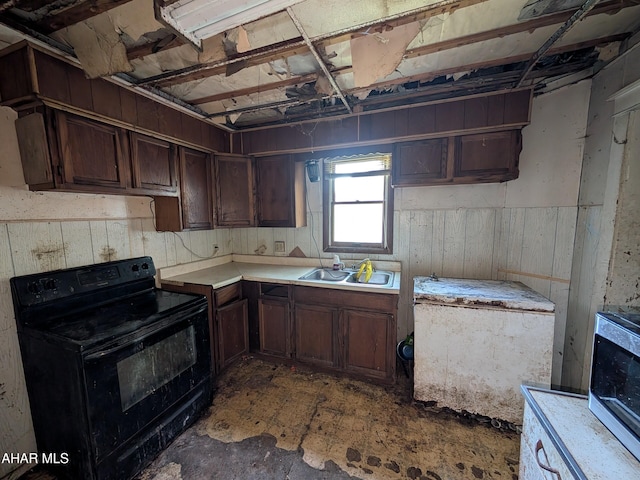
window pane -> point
(358, 223)
(364, 189)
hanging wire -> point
(153, 219)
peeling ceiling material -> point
(376, 55)
(97, 45)
(301, 63)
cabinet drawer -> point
(541, 452)
(274, 290)
(378, 302)
(228, 294)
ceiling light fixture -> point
(199, 19)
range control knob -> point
(145, 266)
(35, 288)
(135, 267)
(50, 284)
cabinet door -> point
(153, 163)
(233, 331)
(281, 192)
(421, 162)
(196, 184)
(91, 153)
(234, 189)
(369, 348)
(275, 332)
(316, 333)
(487, 157)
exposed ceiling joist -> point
(607, 7)
(463, 47)
(498, 62)
(264, 87)
(297, 46)
(504, 79)
(319, 59)
(253, 57)
(166, 43)
(568, 25)
(292, 47)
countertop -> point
(480, 293)
(219, 272)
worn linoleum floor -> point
(273, 421)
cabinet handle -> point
(539, 447)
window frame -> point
(386, 246)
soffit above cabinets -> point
(313, 59)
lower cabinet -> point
(274, 325)
(228, 321)
(340, 330)
(317, 336)
(348, 331)
(369, 337)
(233, 332)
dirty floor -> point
(271, 421)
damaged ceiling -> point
(320, 58)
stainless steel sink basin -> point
(378, 279)
(326, 275)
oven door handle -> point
(109, 351)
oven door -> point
(130, 385)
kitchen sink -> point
(378, 279)
(326, 275)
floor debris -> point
(272, 422)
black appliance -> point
(115, 368)
(614, 389)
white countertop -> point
(480, 293)
(219, 272)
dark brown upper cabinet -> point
(68, 152)
(63, 151)
(196, 187)
(235, 191)
(153, 163)
(91, 153)
(280, 199)
(419, 163)
(478, 158)
(194, 209)
(488, 157)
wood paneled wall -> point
(499, 111)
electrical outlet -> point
(278, 246)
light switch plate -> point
(278, 246)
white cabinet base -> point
(476, 359)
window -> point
(358, 204)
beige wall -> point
(603, 276)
